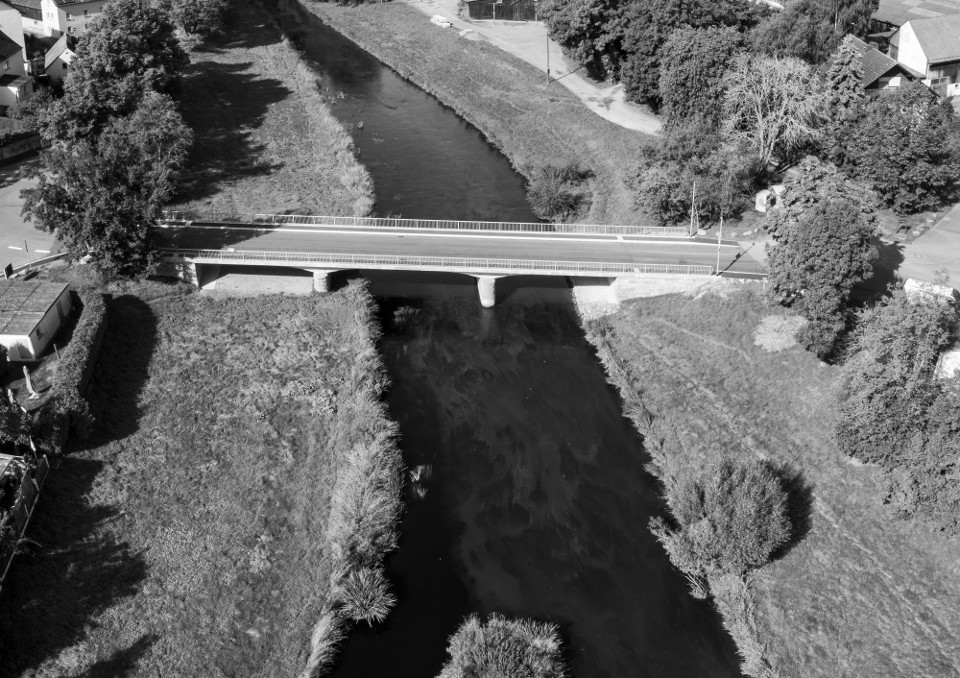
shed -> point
(31, 313)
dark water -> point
(538, 503)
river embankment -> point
(264, 137)
(860, 592)
(532, 123)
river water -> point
(535, 503)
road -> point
(625, 249)
(14, 231)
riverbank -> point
(265, 140)
(191, 537)
(507, 99)
(862, 592)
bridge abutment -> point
(487, 286)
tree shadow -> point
(74, 569)
(122, 370)
(890, 257)
(123, 662)
(799, 506)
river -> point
(537, 502)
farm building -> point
(30, 316)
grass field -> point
(862, 593)
(504, 97)
(189, 537)
(264, 139)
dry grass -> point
(503, 96)
(265, 139)
(189, 539)
(862, 593)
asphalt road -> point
(20, 242)
(529, 246)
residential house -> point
(70, 17)
(15, 85)
(11, 25)
(931, 47)
(31, 14)
(59, 57)
(880, 71)
(892, 14)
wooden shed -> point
(31, 314)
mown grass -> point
(862, 593)
(190, 536)
(265, 141)
(504, 97)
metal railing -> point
(460, 264)
(174, 216)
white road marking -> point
(11, 247)
(43, 251)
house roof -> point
(7, 47)
(875, 64)
(899, 12)
(939, 37)
(64, 44)
(30, 4)
(24, 304)
(14, 81)
(61, 3)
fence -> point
(520, 10)
(171, 217)
(456, 264)
(23, 506)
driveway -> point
(528, 40)
(20, 242)
(937, 249)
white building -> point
(31, 313)
(15, 85)
(931, 47)
(56, 63)
(70, 17)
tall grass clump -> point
(556, 193)
(504, 648)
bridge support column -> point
(321, 279)
(189, 272)
(487, 286)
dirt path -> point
(528, 41)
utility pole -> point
(719, 237)
(693, 202)
(548, 60)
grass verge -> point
(190, 536)
(265, 139)
(862, 593)
(503, 96)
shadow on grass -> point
(799, 506)
(123, 662)
(885, 268)
(75, 569)
(122, 369)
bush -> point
(555, 193)
(728, 518)
(364, 595)
(504, 648)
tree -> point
(811, 29)
(887, 383)
(773, 105)
(196, 17)
(504, 648)
(906, 146)
(100, 196)
(727, 518)
(693, 62)
(586, 30)
(845, 95)
(131, 49)
(14, 424)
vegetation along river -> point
(535, 503)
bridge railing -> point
(173, 216)
(461, 264)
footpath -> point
(528, 40)
(937, 249)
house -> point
(59, 57)
(931, 47)
(11, 25)
(15, 85)
(892, 14)
(31, 14)
(31, 313)
(70, 17)
(880, 72)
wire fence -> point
(459, 264)
(183, 217)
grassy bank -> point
(504, 97)
(861, 593)
(265, 139)
(191, 536)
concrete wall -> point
(16, 148)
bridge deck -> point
(592, 250)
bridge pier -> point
(321, 279)
(487, 286)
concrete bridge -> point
(485, 250)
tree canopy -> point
(195, 17)
(845, 96)
(504, 648)
(906, 146)
(811, 29)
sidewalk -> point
(527, 40)
(938, 248)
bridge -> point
(482, 249)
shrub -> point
(364, 595)
(555, 193)
(504, 648)
(728, 518)
(14, 423)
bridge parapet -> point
(179, 217)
